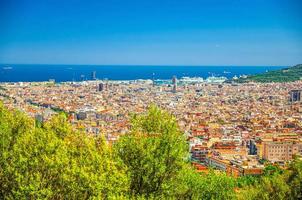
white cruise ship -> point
(187, 79)
(214, 79)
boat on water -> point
(187, 79)
(193, 80)
(235, 77)
(216, 79)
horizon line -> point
(152, 65)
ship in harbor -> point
(216, 79)
(191, 80)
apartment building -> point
(280, 151)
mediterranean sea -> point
(61, 73)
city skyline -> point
(160, 99)
(151, 33)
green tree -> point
(193, 185)
(276, 183)
(154, 152)
(295, 179)
(59, 125)
(269, 187)
(272, 169)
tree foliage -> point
(276, 184)
(55, 162)
(214, 185)
(154, 152)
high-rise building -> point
(93, 75)
(101, 87)
(153, 81)
(174, 82)
(252, 147)
(295, 96)
(82, 77)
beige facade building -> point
(280, 151)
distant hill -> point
(283, 75)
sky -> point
(151, 32)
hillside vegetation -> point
(283, 75)
(53, 161)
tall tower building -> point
(153, 81)
(93, 75)
(82, 77)
(101, 87)
(174, 82)
(295, 96)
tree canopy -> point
(54, 161)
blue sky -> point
(151, 32)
